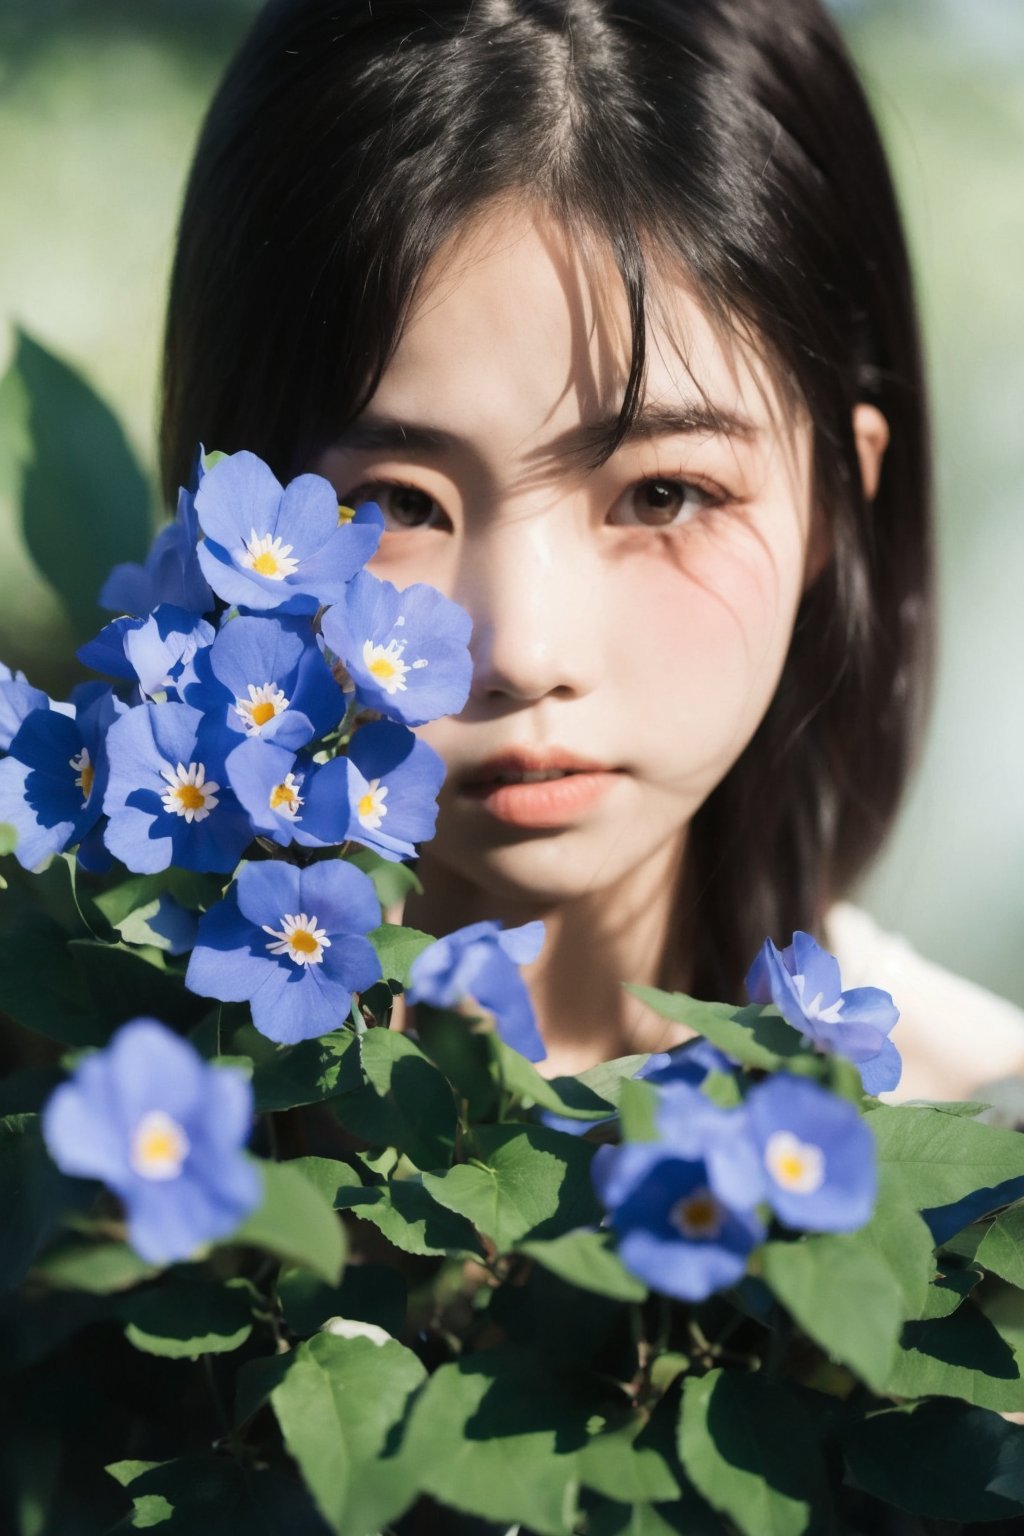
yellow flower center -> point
(794, 1164)
(268, 556)
(370, 807)
(299, 939)
(189, 792)
(285, 797)
(345, 515)
(85, 771)
(159, 1146)
(265, 701)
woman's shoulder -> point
(953, 1035)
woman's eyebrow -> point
(683, 418)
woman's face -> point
(630, 622)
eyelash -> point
(714, 498)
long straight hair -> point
(350, 138)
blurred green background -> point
(99, 107)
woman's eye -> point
(403, 506)
(660, 503)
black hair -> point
(351, 138)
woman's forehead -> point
(517, 318)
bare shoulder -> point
(954, 1036)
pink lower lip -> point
(552, 803)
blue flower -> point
(269, 548)
(291, 943)
(392, 791)
(406, 652)
(168, 800)
(52, 782)
(817, 1155)
(18, 699)
(687, 1063)
(674, 1231)
(267, 677)
(481, 963)
(290, 798)
(165, 1132)
(804, 984)
(170, 574)
(696, 1128)
(155, 651)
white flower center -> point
(262, 705)
(285, 798)
(190, 793)
(159, 1146)
(299, 938)
(813, 1009)
(268, 556)
(370, 809)
(794, 1164)
(697, 1215)
(85, 771)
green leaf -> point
(749, 1447)
(753, 1036)
(565, 1095)
(589, 1260)
(99, 1268)
(33, 1195)
(123, 985)
(633, 1458)
(638, 1111)
(963, 1355)
(843, 1296)
(901, 1239)
(40, 986)
(404, 1101)
(184, 1317)
(295, 1223)
(997, 1246)
(526, 1180)
(307, 1073)
(85, 500)
(942, 1460)
(947, 1292)
(214, 1496)
(337, 1404)
(392, 882)
(368, 1293)
(402, 1210)
(396, 949)
(938, 1159)
(497, 1435)
(189, 889)
(8, 838)
(464, 1055)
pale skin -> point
(636, 615)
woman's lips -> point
(535, 788)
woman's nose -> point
(532, 592)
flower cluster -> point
(691, 1205)
(251, 649)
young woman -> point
(608, 307)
